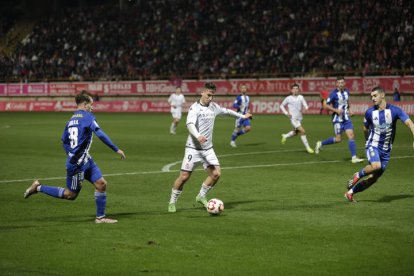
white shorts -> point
(296, 123)
(176, 113)
(193, 157)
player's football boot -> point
(283, 141)
(318, 147)
(201, 200)
(32, 189)
(105, 220)
(171, 208)
(356, 160)
(354, 180)
(309, 150)
(233, 144)
(350, 197)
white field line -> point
(223, 168)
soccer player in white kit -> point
(176, 100)
(295, 104)
(199, 145)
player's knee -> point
(338, 139)
(100, 185)
(215, 175)
(184, 176)
(376, 166)
(247, 128)
(69, 195)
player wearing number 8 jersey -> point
(199, 145)
(77, 140)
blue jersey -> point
(339, 100)
(242, 103)
(77, 136)
(382, 126)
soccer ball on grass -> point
(215, 206)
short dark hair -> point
(294, 85)
(83, 97)
(210, 86)
(340, 78)
(378, 88)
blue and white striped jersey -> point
(339, 100)
(242, 103)
(382, 126)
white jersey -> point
(203, 118)
(176, 100)
(295, 105)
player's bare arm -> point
(410, 124)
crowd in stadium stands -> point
(158, 39)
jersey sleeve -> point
(331, 98)
(367, 118)
(402, 115)
(304, 103)
(93, 124)
(237, 103)
(192, 116)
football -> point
(215, 206)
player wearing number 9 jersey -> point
(77, 140)
(199, 145)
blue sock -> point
(361, 173)
(352, 147)
(100, 200)
(328, 141)
(52, 191)
(361, 186)
(236, 134)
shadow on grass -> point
(390, 198)
(281, 205)
(252, 144)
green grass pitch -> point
(284, 209)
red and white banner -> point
(357, 85)
(257, 107)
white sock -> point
(204, 190)
(290, 134)
(172, 127)
(305, 141)
(175, 194)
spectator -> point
(155, 39)
(396, 96)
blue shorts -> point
(242, 123)
(340, 127)
(376, 155)
(76, 174)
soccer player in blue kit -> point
(380, 123)
(243, 126)
(338, 103)
(77, 140)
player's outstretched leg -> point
(32, 189)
